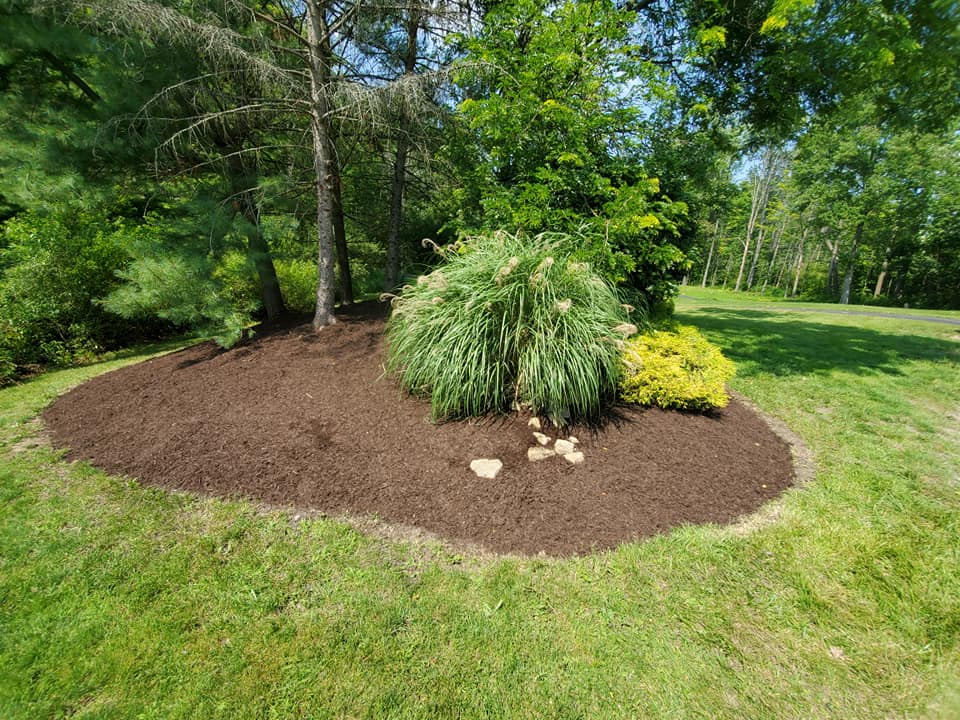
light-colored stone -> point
(563, 447)
(574, 458)
(486, 468)
(534, 422)
(574, 440)
(541, 438)
(539, 453)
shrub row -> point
(509, 321)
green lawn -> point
(123, 602)
(715, 296)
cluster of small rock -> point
(567, 449)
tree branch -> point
(71, 76)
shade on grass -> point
(118, 601)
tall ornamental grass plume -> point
(509, 320)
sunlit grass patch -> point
(118, 601)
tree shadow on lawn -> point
(780, 344)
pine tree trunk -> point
(319, 54)
(848, 277)
(340, 242)
(270, 294)
(242, 182)
(392, 274)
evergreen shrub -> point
(237, 279)
(675, 368)
(509, 320)
(182, 291)
(52, 270)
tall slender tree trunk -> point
(727, 269)
(340, 244)
(319, 58)
(784, 266)
(743, 263)
(781, 272)
(878, 289)
(259, 251)
(242, 182)
(761, 236)
(775, 248)
(754, 212)
(833, 275)
(777, 237)
(762, 183)
(392, 274)
(796, 275)
(848, 277)
(713, 244)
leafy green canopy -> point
(775, 62)
(507, 320)
(553, 111)
(52, 271)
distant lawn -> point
(123, 602)
(716, 296)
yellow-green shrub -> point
(298, 283)
(676, 368)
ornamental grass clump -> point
(509, 320)
(675, 368)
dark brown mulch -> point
(307, 420)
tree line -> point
(843, 214)
(171, 165)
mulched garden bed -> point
(309, 421)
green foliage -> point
(508, 319)
(298, 283)
(366, 267)
(181, 290)
(781, 60)
(675, 368)
(552, 112)
(53, 270)
(237, 278)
